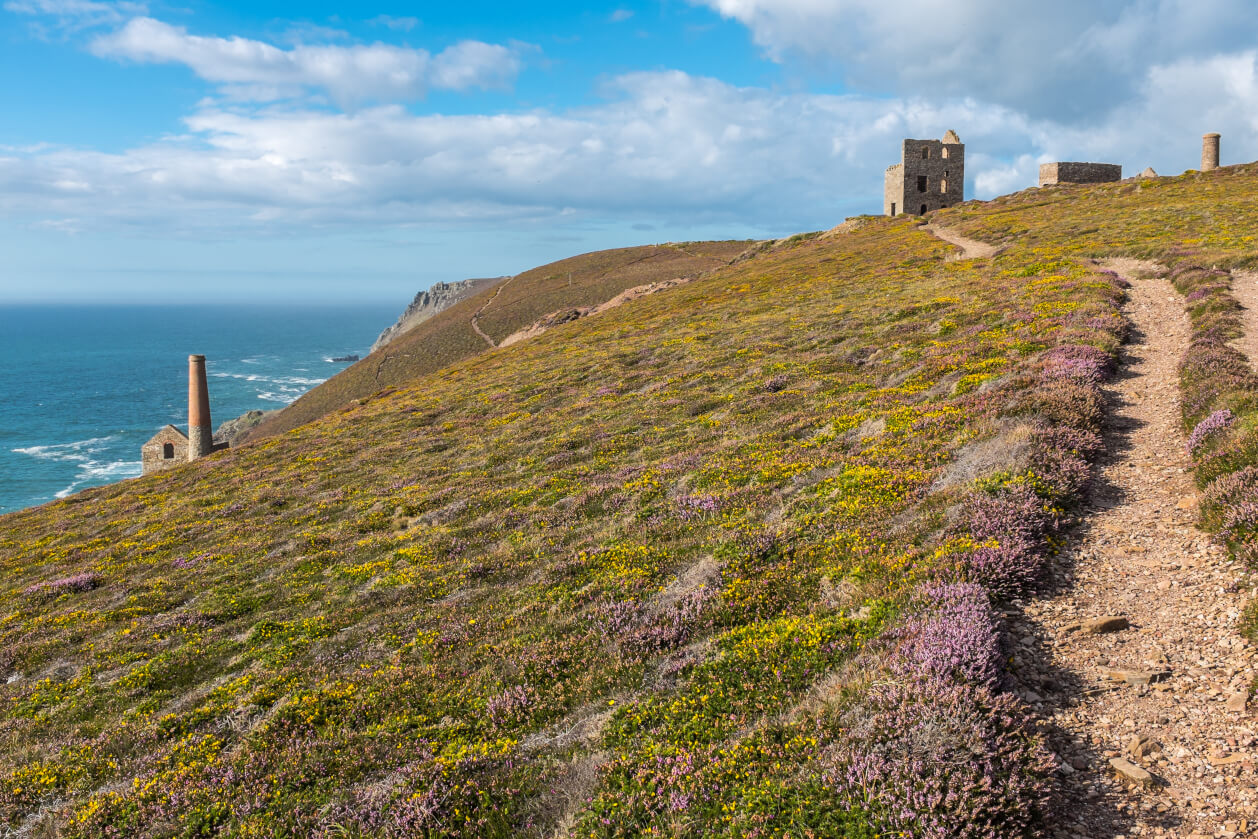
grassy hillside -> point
(505, 307)
(719, 562)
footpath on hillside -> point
(1136, 661)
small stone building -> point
(166, 448)
(1079, 173)
(929, 176)
(170, 445)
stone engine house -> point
(170, 446)
(929, 176)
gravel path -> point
(1160, 686)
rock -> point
(1237, 702)
(1148, 173)
(1186, 503)
(1141, 746)
(1133, 677)
(1130, 772)
(232, 430)
(1217, 759)
(1101, 626)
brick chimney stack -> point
(1209, 152)
(200, 431)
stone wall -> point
(930, 176)
(1079, 173)
(152, 454)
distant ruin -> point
(1209, 152)
(170, 446)
(929, 177)
(1080, 173)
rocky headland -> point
(428, 303)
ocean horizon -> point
(82, 387)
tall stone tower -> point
(200, 431)
(929, 176)
(1209, 152)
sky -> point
(335, 152)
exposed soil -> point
(970, 248)
(567, 315)
(1178, 675)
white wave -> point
(94, 470)
(79, 451)
(285, 399)
(81, 454)
(274, 380)
(298, 380)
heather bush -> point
(1009, 526)
(952, 634)
(74, 584)
(1239, 487)
(1072, 401)
(1236, 450)
(1216, 422)
(943, 760)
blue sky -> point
(263, 151)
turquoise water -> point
(82, 387)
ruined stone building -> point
(929, 176)
(1079, 173)
(171, 446)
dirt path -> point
(476, 316)
(1245, 289)
(1162, 693)
(970, 248)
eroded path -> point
(476, 316)
(1162, 693)
(970, 248)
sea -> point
(83, 387)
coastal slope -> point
(493, 311)
(747, 556)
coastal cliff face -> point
(428, 303)
(231, 432)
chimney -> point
(200, 431)
(1209, 152)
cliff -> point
(428, 303)
(231, 431)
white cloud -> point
(72, 15)
(257, 70)
(621, 15)
(1066, 59)
(666, 147)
